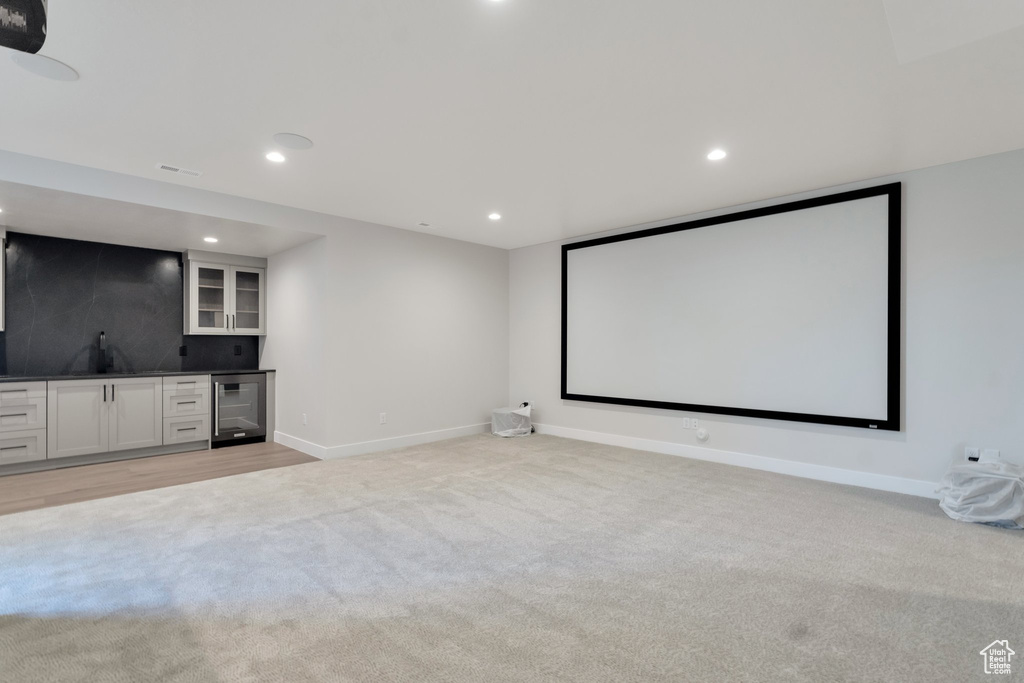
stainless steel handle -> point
(113, 393)
(234, 321)
(15, 415)
(104, 393)
(216, 408)
(12, 448)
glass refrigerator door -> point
(238, 407)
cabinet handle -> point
(216, 408)
(12, 448)
(15, 415)
(113, 394)
(104, 393)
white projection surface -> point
(785, 312)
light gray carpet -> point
(481, 559)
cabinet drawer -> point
(186, 429)
(188, 403)
(29, 414)
(22, 446)
(185, 385)
(20, 393)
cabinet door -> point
(136, 413)
(76, 420)
(248, 300)
(209, 298)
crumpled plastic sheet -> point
(984, 492)
(509, 422)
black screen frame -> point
(894, 316)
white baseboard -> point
(882, 482)
(348, 450)
(301, 445)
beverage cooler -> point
(239, 409)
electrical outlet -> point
(686, 423)
(383, 418)
(182, 350)
(971, 453)
(238, 349)
(304, 420)
(696, 425)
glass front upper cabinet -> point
(249, 300)
(224, 299)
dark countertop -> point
(4, 379)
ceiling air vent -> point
(179, 171)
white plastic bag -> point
(511, 422)
(984, 492)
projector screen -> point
(787, 312)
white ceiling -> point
(566, 117)
(42, 211)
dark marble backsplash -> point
(62, 293)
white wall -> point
(964, 328)
(296, 305)
(421, 332)
(373, 319)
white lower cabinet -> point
(78, 419)
(16, 447)
(22, 422)
(186, 429)
(87, 416)
(136, 413)
(186, 409)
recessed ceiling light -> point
(716, 154)
(495, 216)
(293, 141)
(276, 157)
(44, 66)
(211, 240)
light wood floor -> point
(21, 492)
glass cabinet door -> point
(249, 300)
(238, 407)
(210, 304)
